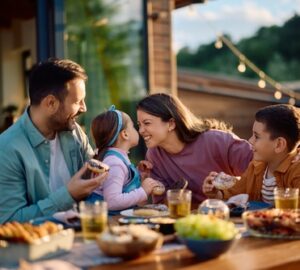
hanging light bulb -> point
(278, 95)
(292, 101)
(191, 11)
(241, 67)
(261, 83)
(218, 43)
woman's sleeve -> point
(239, 154)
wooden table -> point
(247, 253)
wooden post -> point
(162, 61)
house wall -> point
(13, 42)
(236, 111)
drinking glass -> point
(93, 217)
(179, 202)
(286, 198)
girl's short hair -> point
(188, 126)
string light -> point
(261, 83)
(191, 11)
(292, 101)
(278, 95)
(218, 44)
(264, 78)
(241, 67)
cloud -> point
(238, 18)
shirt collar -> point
(286, 163)
(34, 135)
(282, 168)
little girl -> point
(114, 135)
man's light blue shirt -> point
(25, 168)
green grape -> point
(205, 227)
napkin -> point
(69, 217)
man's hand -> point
(80, 188)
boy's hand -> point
(148, 184)
(208, 188)
(80, 188)
(297, 157)
(144, 168)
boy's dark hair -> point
(281, 121)
(50, 78)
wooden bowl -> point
(129, 241)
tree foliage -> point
(274, 49)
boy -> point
(274, 142)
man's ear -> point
(172, 124)
(51, 104)
(280, 145)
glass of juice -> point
(93, 217)
(179, 202)
(286, 198)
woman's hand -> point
(145, 168)
(208, 188)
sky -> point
(199, 23)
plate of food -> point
(273, 223)
(30, 242)
(146, 211)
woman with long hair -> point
(183, 147)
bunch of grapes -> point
(205, 227)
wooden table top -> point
(247, 253)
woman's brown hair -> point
(188, 126)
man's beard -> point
(59, 123)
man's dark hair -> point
(281, 121)
(50, 78)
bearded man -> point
(43, 155)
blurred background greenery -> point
(274, 49)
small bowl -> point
(206, 249)
(129, 241)
(166, 224)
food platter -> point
(273, 223)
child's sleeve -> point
(113, 187)
(241, 185)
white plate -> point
(129, 213)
